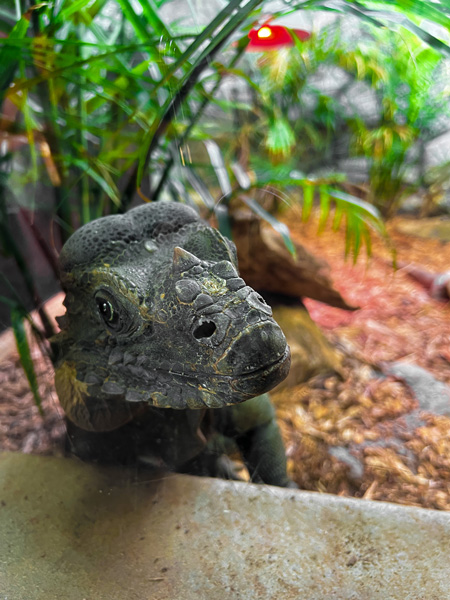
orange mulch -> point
(360, 435)
(22, 428)
(397, 319)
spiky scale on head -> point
(156, 309)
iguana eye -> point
(107, 311)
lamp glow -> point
(273, 37)
(264, 32)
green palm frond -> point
(360, 219)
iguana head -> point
(157, 314)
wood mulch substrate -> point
(380, 448)
(22, 428)
(346, 434)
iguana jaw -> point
(269, 376)
(116, 376)
(122, 385)
(214, 390)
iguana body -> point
(162, 342)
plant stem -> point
(206, 100)
(175, 103)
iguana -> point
(163, 344)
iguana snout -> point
(231, 325)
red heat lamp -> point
(272, 37)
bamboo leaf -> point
(30, 126)
(120, 85)
(156, 23)
(74, 7)
(199, 41)
(242, 74)
(172, 105)
(108, 187)
(7, 17)
(51, 74)
(190, 130)
(23, 347)
(10, 53)
(134, 20)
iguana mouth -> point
(194, 375)
(216, 390)
(269, 367)
(257, 349)
(263, 379)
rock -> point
(433, 395)
(354, 464)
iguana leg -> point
(214, 461)
(253, 425)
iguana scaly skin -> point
(159, 323)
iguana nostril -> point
(205, 330)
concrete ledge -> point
(71, 531)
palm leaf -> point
(361, 217)
(308, 199)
